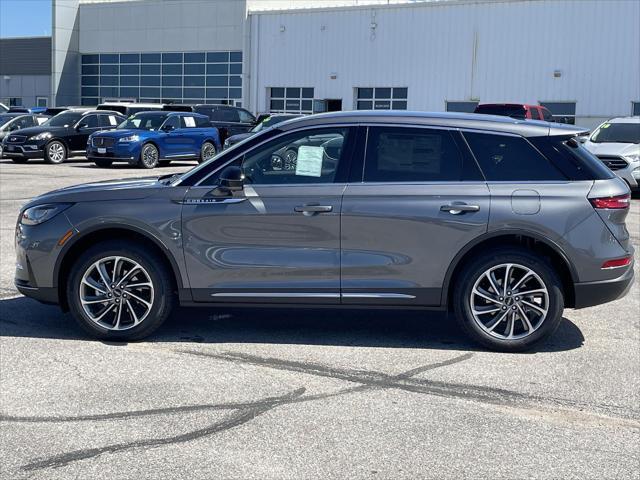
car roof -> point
(474, 121)
(528, 105)
(635, 119)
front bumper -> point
(119, 152)
(30, 150)
(590, 294)
(628, 175)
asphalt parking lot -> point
(307, 394)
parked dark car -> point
(227, 119)
(521, 111)
(503, 222)
(266, 122)
(149, 139)
(60, 137)
(12, 122)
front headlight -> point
(227, 143)
(41, 213)
(41, 136)
(130, 138)
(634, 157)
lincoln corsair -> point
(503, 222)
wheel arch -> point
(514, 238)
(104, 232)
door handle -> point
(458, 208)
(312, 209)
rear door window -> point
(398, 154)
(506, 158)
(202, 122)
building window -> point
(291, 100)
(381, 98)
(563, 112)
(15, 101)
(462, 106)
(173, 77)
(635, 108)
(42, 101)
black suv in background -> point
(12, 122)
(227, 119)
(60, 137)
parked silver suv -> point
(505, 222)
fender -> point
(119, 226)
(499, 233)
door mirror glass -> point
(231, 179)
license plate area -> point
(102, 150)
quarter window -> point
(563, 112)
(381, 98)
(396, 154)
(510, 158)
(311, 156)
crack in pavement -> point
(245, 412)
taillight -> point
(617, 262)
(612, 203)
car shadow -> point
(23, 317)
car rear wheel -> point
(207, 152)
(103, 163)
(55, 152)
(149, 156)
(508, 300)
(120, 291)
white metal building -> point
(579, 58)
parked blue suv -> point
(149, 139)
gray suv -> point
(504, 222)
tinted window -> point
(411, 155)
(90, 121)
(173, 122)
(24, 122)
(246, 117)
(515, 111)
(617, 133)
(64, 119)
(311, 156)
(109, 121)
(225, 115)
(510, 158)
(202, 122)
(143, 121)
(546, 114)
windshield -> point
(617, 133)
(142, 121)
(64, 119)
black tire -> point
(149, 156)
(103, 162)
(491, 258)
(161, 278)
(19, 160)
(55, 152)
(204, 148)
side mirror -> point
(231, 179)
(583, 139)
(82, 126)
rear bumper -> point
(596, 293)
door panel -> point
(397, 242)
(256, 246)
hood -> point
(239, 137)
(125, 189)
(31, 131)
(117, 133)
(612, 148)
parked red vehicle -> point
(516, 110)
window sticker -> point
(309, 162)
(112, 120)
(606, 125)
(41, 120)
(190, 122)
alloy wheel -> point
(56, 152)
(149, 156)
(116, 293)
(208, 152)
(509, 301)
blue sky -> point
(25, 18)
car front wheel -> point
(508, 299)
(55, 152)
(120, 291)
(149, 156)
